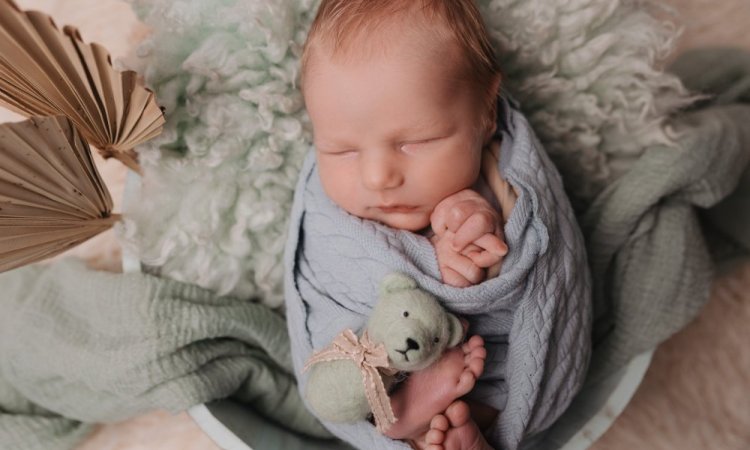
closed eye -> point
(346, 152)
(417, 145)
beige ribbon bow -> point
(368, 357)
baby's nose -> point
(411, 344)
(380, 173)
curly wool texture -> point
(585, 74)
(218, 183)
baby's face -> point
(395, 133)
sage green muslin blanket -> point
(79, 347)
(651, 264)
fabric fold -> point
(97, 347)
(652, 268)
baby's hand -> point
(468, 237)
(455, 269)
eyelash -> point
(426, 141)
(400, 146)
(341, 153)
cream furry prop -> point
(219, 180)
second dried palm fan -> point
(45, 72)
(51, 195)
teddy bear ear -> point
(395, 282)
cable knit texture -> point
(535, 316)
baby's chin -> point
(413, 221)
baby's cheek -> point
(423, 221)
(340, 190)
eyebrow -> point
(438, 130)
(326, 144)
(425, 126)
(398, 135)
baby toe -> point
(473, 343)
(458, 414)
(477, 353)
(466, 383)
(476, 341)
(435, 437)
(476, 367)
(439, 422)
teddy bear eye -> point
(406, 313)
(436, 340)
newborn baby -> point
(400, 117)
(401, 111)
(403, 98)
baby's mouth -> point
(397, 208)
(404, 352)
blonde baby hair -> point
(339, 24)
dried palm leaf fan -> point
(48, 72)
(51, 195)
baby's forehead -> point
(352, 33)
(393, 38)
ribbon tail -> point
(328, 354)
(378, 399)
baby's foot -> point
(430, 391)
(455, 430)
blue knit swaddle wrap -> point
(535, 317)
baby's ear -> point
(395, 282)
(456, 331)
(491, 119)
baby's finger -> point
(459, 213)
(471, 248)
(438, 221)
(479, 224)
(440, 215)
(484, 259)
(465, 267)
(453, 278)
(492, 244)
(480, 256)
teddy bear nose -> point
(411, 344)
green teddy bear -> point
(407, 331)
